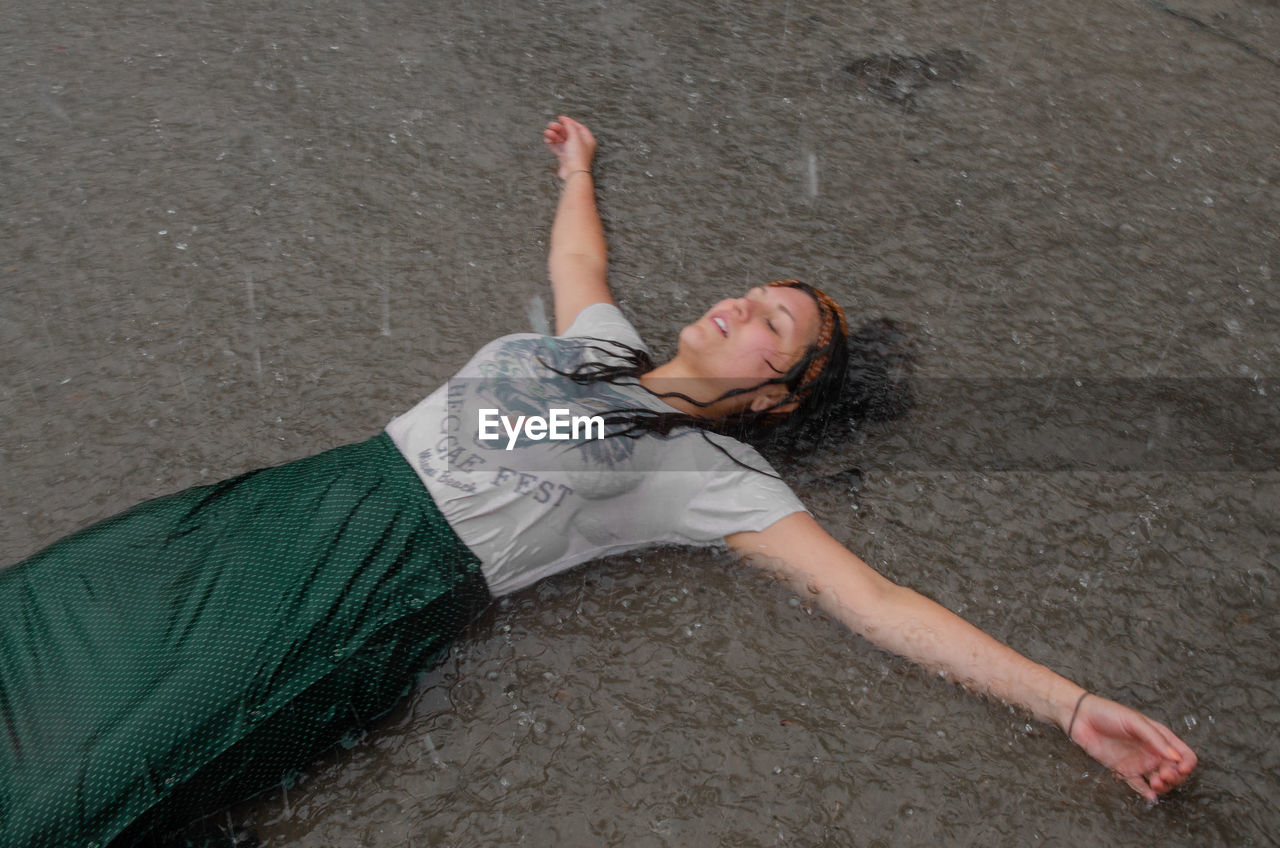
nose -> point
(741, 308)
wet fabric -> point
(194, 649)
(531, 507)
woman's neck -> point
(673, 382)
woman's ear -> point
(767, 397)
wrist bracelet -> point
(1071, 725)
(571, 173)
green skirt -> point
(196, 648)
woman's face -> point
(743, 341)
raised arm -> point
(1144, 753)
(578, 259)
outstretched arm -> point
(1143, 752)
(578, 259)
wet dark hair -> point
(838, 384)
(876, 388)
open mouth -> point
(722, 324)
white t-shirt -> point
(530, 507)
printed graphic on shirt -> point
(517, 383)
(520, 381)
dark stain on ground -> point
(898, 78)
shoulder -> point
(606, 322)
(731, 464)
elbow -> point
(577, 263)
(860, 601)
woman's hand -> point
(1143, 753)
(573, 145)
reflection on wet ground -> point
(236, 234)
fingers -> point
(1178, 760)
(563, 126)
(1159, 781)
(1184, 755)
(1151, 783)
(1138, 783)
(576, 131)
(1173, 759)
(1167, 778)
(564, 131)
(1169, 769)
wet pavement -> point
(234, 234)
